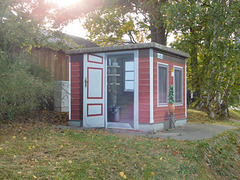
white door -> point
(93, 91)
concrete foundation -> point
(152, 128)
(149, 128)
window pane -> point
(129, 85)
(129, 75)
(162, 84)
(129, 66)
(178, 85)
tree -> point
(23, 24)
(209, 33)
(110, 20)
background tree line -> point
(208, 30)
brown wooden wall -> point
(56, 61)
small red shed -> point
(126, 87)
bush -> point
(24, 85)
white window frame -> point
(181, 69)
(133, 71)
(166, 66)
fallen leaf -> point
(35, 177)
(24, 138)
(152, 173)
(121, 174)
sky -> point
(75, 28)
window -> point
(162, 84)
(178, 84)
(129, 76)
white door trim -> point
(136, 54)
(69, 96)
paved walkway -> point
(188, 132)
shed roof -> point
(128, 47)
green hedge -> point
(24, 85)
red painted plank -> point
(76, 96)
(143, 82)
(144, 88)
(75, 73)
(144, 76)
(75, 90)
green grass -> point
(37, 150)
(195, 116)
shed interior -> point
(120, 90)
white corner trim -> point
(151, 84)
(136, 84)
(69, 97)
(186, 88)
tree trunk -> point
(193, 59)
(213, 73)
(158, 34)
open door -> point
(93, 91)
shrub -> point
(24, 85)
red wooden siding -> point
(161, 113)
(77, 87)
(144, 89)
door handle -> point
(86, 81)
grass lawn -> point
(35, 149)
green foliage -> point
(210, 34)
(115, 19)
(23, 25)
(107, 26)
(171, 95)
(24, 85)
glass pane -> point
(162, 86)
(129, 66)
(178, 85)
(129, 75)
(129, 85)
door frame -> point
(136, 79)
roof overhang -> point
(129, 47)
